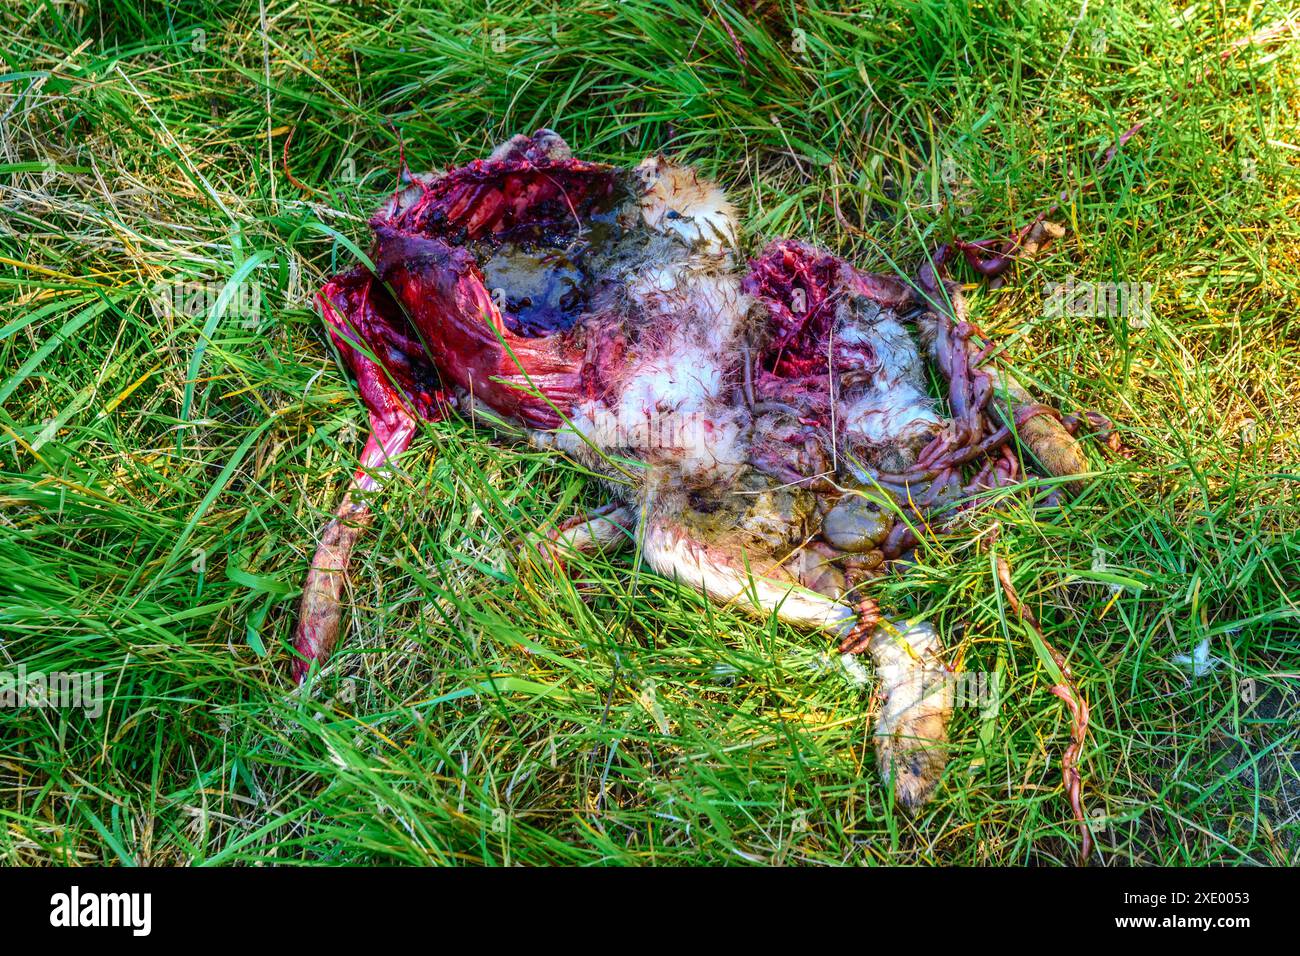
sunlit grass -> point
(155, 524)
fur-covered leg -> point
(1040, 428)
(322, 593)
(672, 552)
(601, 532)
(946, 336)
(912, 730)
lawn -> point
(167, 459)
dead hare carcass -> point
(785, 446)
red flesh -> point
(789, 270)
(426, 317)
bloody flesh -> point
(593, 306)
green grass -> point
(163, 477)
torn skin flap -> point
(379, 347)
(466, 337)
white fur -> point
(668, 408)
(891, 416)
(673, 555)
